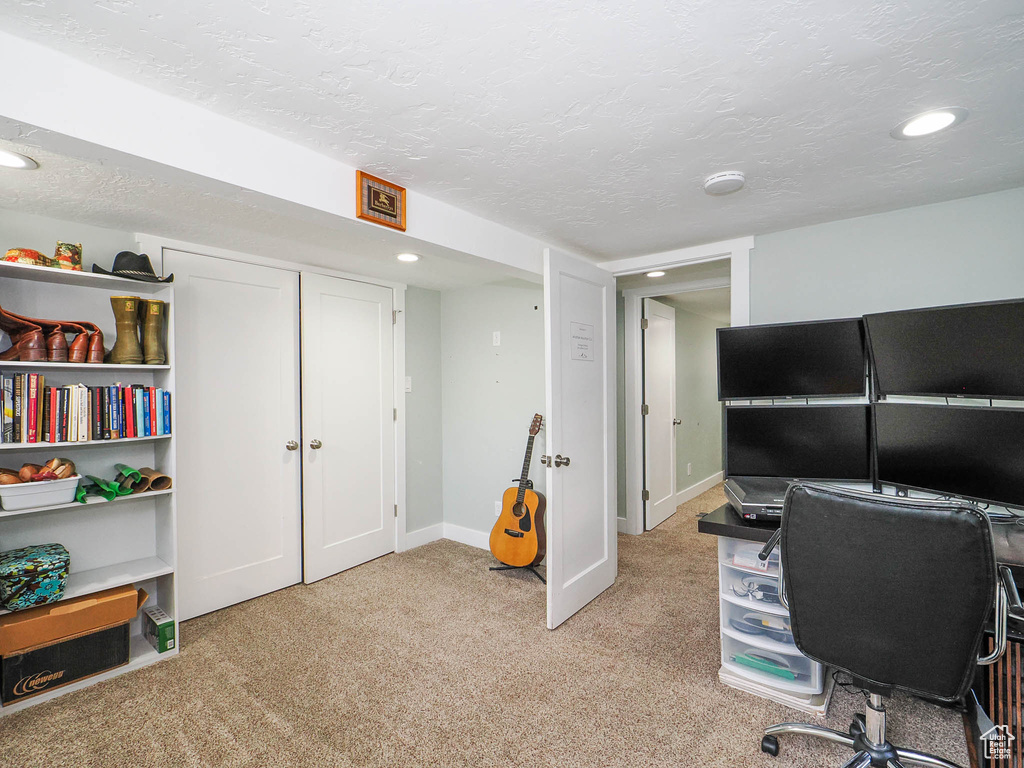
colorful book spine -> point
(158, 408)
(54, 414)
(65, 415)
(115, 423)
(19, 410)
(129, 412)
(140, 420)
(154, 421)
(145, 412)
(7, 435)
(167, 413)
(32, 435)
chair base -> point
(866, 737)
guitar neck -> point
(526, 470)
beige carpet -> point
(428, 659)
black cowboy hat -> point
(135, 266)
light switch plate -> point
(496, 339)
(497, 508)
(408, 383)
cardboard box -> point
(46, 623)
(158, 628)
(35, 670)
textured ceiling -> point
(591, 124)
(106, 195)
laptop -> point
(757, 498)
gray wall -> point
(489, 395)
(960, 251)
(699, 437)
(423, 408)
(41, 233)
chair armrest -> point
(1013, 604)
(1003, 590)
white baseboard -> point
(697, 489)
(423, 536)
(624, 526)
(478, 539)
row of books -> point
(36, 413)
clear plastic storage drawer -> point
(743, 554)
(759, 591)
(785, 671)
(747, 623)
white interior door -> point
(236, 362)
(579, 303)
(348, 424)
(659, 423)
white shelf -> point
(79, 279)
(141, 654)
(117, 575)
(37, 446)
(90, 501)
(45, 366)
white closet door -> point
(579, 303)
(659, 423)
(236, 352)
(348, 424)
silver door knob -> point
(291, 445)
(545, 460)
(315, 445)
(561, 461)
(677, 422)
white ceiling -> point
(591, 124)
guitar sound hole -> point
(518, 510)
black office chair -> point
(894, 591)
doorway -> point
(682, 421)
(723, 265)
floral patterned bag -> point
(33, 576)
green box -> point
(158, 628)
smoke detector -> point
(724, 183)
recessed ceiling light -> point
(656, 274)
(724, 183)
(10, 159)
(929, 122)
(408, 257)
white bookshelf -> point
(131, 539)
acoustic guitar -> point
(518, 538)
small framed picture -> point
(380, 201)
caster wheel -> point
(858, 726)
(770, 745)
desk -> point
(998, 687)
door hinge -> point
(394, 317)
(644, 409)
(396, 414)
(646, 495)
(396, 510)
(643, 324)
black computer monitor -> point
(977, 453)
(971, 350)
(809, 442)
(825, 358)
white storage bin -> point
(45, 493)
(769, 631)
(792, 672)
(756, 590)
(743, 554)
